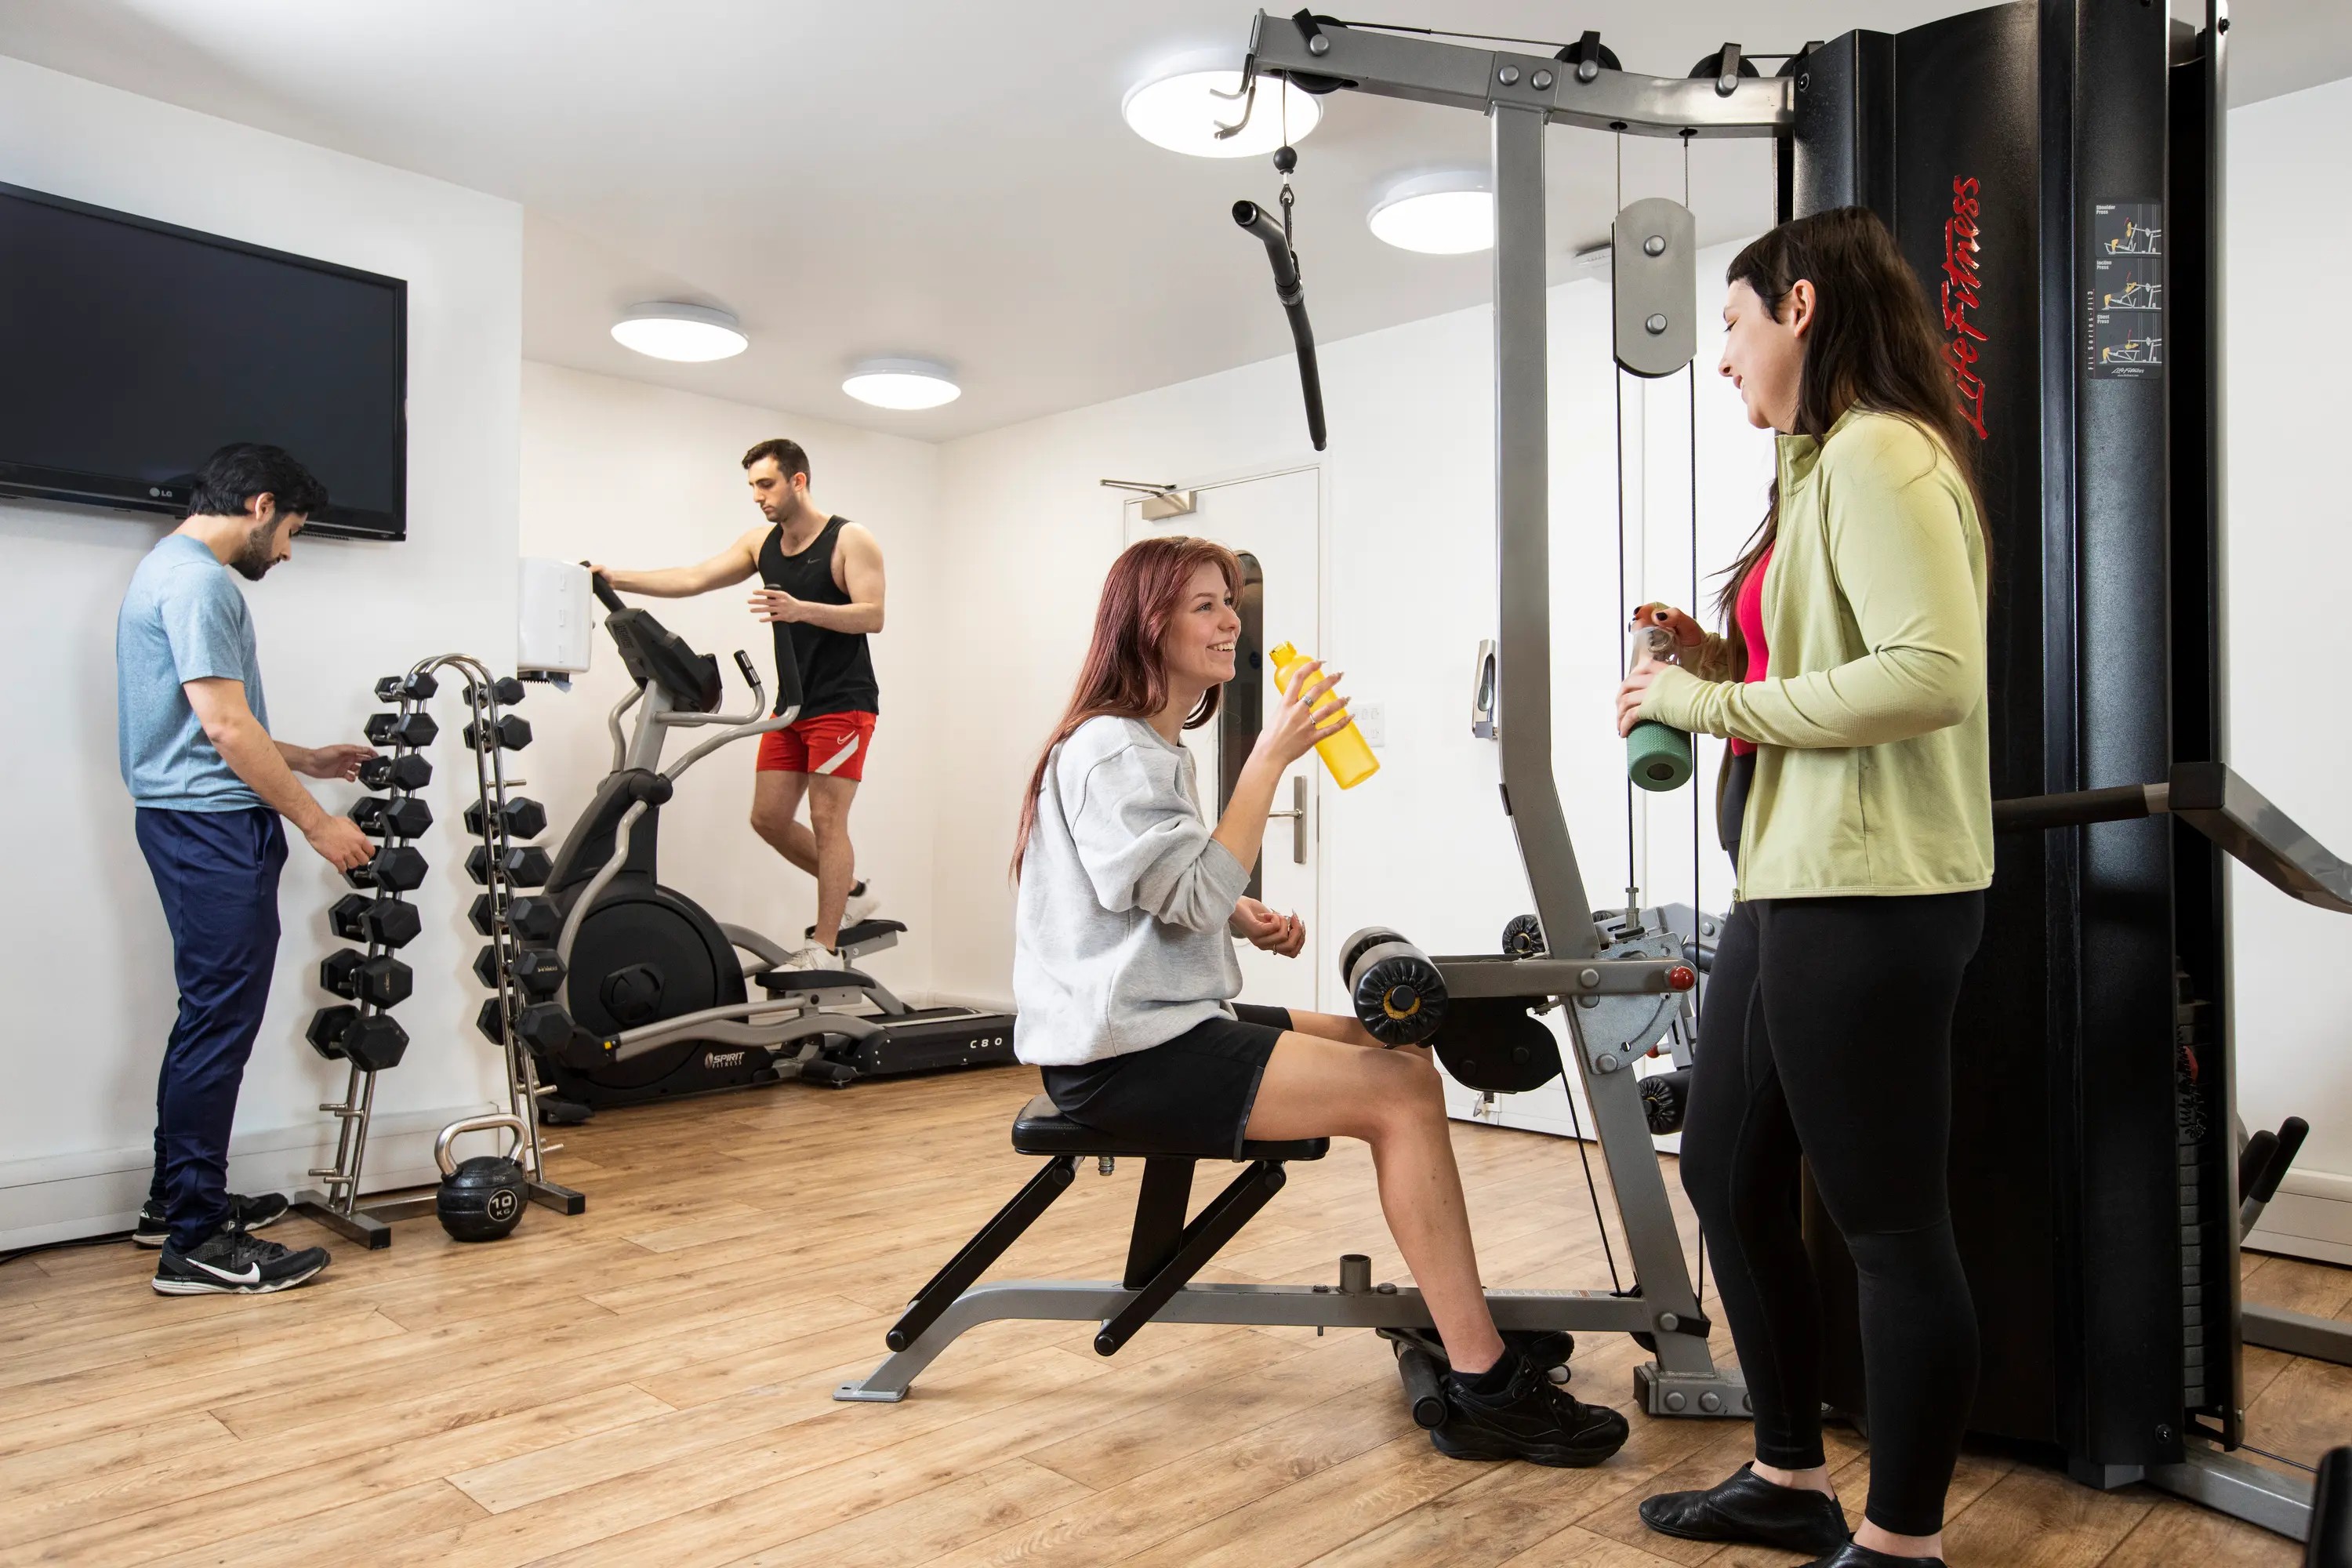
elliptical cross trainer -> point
(656, 993)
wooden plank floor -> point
(649, 1384)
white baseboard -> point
(2311, 1217)
(61, 1197)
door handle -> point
(1298, 815)
(1482, 694)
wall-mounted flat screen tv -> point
(131, 350)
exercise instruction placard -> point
(2126, 290)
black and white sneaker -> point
(1528, 1418)
(243, 1213)
(234, 1264)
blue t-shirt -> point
(182, 620)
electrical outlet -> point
(1373, 722)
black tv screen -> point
(133, 349)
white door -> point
(1275, 521)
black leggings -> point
(1827, 1036)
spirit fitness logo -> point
(1962, 283)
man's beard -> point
(253, 558)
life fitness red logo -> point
(1962, 283)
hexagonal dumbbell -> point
(543, 1026)
(537, 971)
(396, 868)
(374, 1043)
(345, 915)
(388, 922)
(401, 817)
(491, 1021)
(526, 865)
(409, 730)
(337, 969)
(407, 770)
(382, 980)
(522, 816)
(506, 688)
(326, 1031)
(512, 731)
(416, 683)
(534, 918)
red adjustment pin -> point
(1681, 977)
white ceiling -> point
(937, 178)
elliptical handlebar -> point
(603, 589)
(759, 702)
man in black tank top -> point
(821, 585)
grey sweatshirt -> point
(1121, 935)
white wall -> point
(2290, 551)
(1411, 591)
(630, 475)
(84, 954)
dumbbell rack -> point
(406, 731)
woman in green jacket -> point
(1857, 806)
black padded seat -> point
(1041, 1129)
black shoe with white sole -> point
(243, 1213)
(233, 1263)
(1527, 1418)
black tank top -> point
(836, 670)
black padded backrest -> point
(651, 651)
(1041, 1129)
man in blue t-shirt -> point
(211, 784)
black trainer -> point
(234, 1264)
(1852, 1556)
(1749, 1509)
(1530, 1419)
(245, 1212)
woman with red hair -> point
(1124, 972)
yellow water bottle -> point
(1346, 754)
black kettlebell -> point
(482, 1199)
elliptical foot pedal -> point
(833, 1074)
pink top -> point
(1750, 611)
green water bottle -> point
(1657, 756)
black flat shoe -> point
(1749, 1509)
(1852, 1556)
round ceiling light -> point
(1438, 214)
(691, 333)
(901, 384)
(1181, 109)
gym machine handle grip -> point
(2125, 803)
(1256, 221)
(2268, 1154)
(611, 600)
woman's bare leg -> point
(1319, 1087)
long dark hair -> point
(1125, 675)
(1872, 345)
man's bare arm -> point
(730, 566)
(229, 724)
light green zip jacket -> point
(1873, 775)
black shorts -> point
(1191, 1095)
